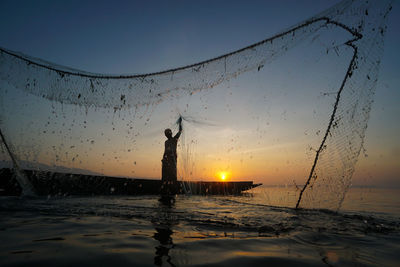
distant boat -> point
(56, 183)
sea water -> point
(255, 229)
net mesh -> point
(293, 107)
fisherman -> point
(170, 158)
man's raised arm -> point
(180, 128)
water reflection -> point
(163, 224)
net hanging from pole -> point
(293, 107)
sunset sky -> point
(126, 37)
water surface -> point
(253, 229)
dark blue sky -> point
(143, 36)
(146, 36)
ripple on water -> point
(193, 230)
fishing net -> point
(290, 109)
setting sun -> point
(223, 175)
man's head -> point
(168, 133)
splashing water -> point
(260, 112)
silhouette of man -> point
(170, 157)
